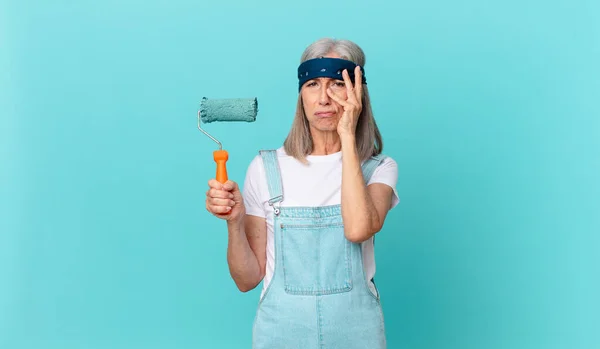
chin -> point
(326, 128)
(327, 123)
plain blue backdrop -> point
(491, 110)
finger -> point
(221, 202)
(219, 209)
(349, 87)
(358, 87)
(337, 98)
(216, 210)
(218, 193)
(213, 183)
(230, 185)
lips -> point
(325, 114)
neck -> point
(325, 143)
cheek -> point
(309, 99)
(306, 104)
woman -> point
(309, 211)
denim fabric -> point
(318, 296)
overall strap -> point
(271, 166)
(369, 166)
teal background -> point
(491, 110)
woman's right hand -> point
(224, 200)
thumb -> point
(230, 186)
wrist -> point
(348, 142)
(237, 222)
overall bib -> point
(318, 296)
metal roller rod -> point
(206, 133)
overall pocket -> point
(316, 258)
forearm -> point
(361, 220)
(243, 263)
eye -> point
(339, 84)
(311, 83)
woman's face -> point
(322, 112)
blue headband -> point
(328, 68)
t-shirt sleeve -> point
(253, 189)
(387, 173)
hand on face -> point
(352, 104)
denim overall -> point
(318, 296)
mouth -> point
(325, 114)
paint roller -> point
(225, 110)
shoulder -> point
(385, 165)
(386, 172)
(255, 168)
(255, 187)
(277, 152)
(257, 164)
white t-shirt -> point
(315, 184)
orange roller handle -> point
(221, 157)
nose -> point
(323, 96)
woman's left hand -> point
(352, 104)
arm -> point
(363, 208)
(246, 251)
(247, 234)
